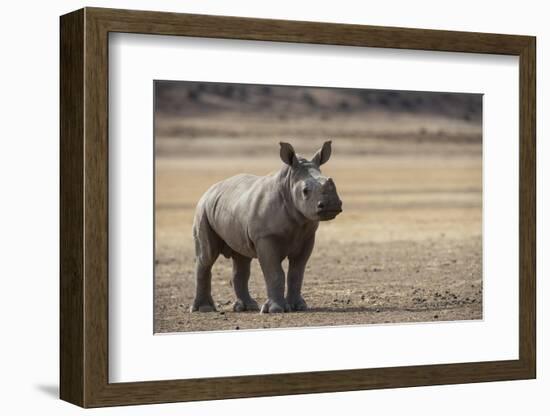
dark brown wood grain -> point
(527, 208)
(71, 343)
(84, 207)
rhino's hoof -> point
(275, 307)
(242, 306)
(202, 307)
(299, 305)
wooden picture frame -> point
(84, 207)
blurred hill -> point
(176, 98)
(220, 119)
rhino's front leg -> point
(296, 268)
(270, 261)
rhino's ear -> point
(323, 154)
(288, 155)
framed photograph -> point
(255, 207)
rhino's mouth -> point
(327, 215)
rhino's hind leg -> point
(208, 246)
(203, 301)
(241, 275)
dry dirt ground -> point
(407, 247)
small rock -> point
(222, 312)
(436, 316)
(237, 328)
(377, 310)
(362, 297)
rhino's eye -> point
(305, 191)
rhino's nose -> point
(320, 205)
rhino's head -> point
(313, 194)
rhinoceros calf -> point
(266, 217)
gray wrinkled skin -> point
(266, 217)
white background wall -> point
(29, 156)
